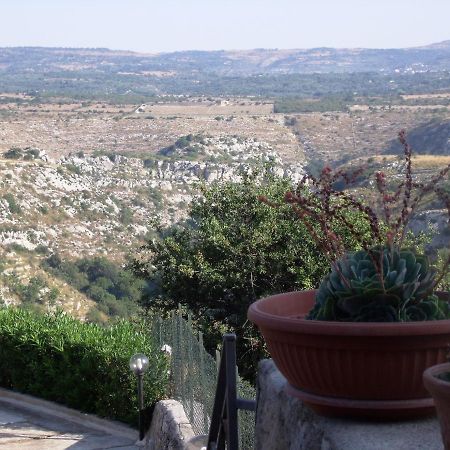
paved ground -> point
(21, 428)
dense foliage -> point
(116, 290)
(232, 251)
(81, 365)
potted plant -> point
(359, 344)
(437, 381)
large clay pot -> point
(369, 370)
(440, 390)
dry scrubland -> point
(73, 199)
(337, 136)
(100, 127)
(60, 130)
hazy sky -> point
(168, 25)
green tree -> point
(13, 206)
(126, 215)
(13, 153)
(232, 251)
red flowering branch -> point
(320, 207)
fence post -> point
(175, 353)
(203, 383)
(217, 360)
(189, 337)
(180, 342)
(160, 328)
(174, 328)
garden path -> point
(24, 428)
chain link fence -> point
(194, 376)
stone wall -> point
(170, 428)
(285, 423)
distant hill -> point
(433, 57)
(124, 76)
(431, 138)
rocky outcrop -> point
(232, 155)
(87, 204)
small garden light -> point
(138, 365)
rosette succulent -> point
(379, 285)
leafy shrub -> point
(117, 291)
(13, 153)
(81, 365)
(42, 249)
(16, 248)
(30, 153)
(290, 121)
(126, 215)
(149, 163)
(36, 291)
(156, 196)
(13, 206)
(185, 145)
(73, 168)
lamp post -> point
(138, 365)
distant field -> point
(61, 126)
(225, 109)
(419, 161)
(164, 109)
(14, 95)
(340, 137)
(433, 107)
(429, 161)
(425, 96)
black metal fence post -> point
(224, 421)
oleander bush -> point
(81, 365)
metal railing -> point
(194, 376)
(224, 427)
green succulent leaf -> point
(379, 285)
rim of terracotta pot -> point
(258, 315)
(431, 373)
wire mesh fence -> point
(194, 376)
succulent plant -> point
(379, 285)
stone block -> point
(170, 428)
(285, 423)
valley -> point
(90, 175)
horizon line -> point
(446, 41)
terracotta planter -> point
(369, 370)
(440, 390)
